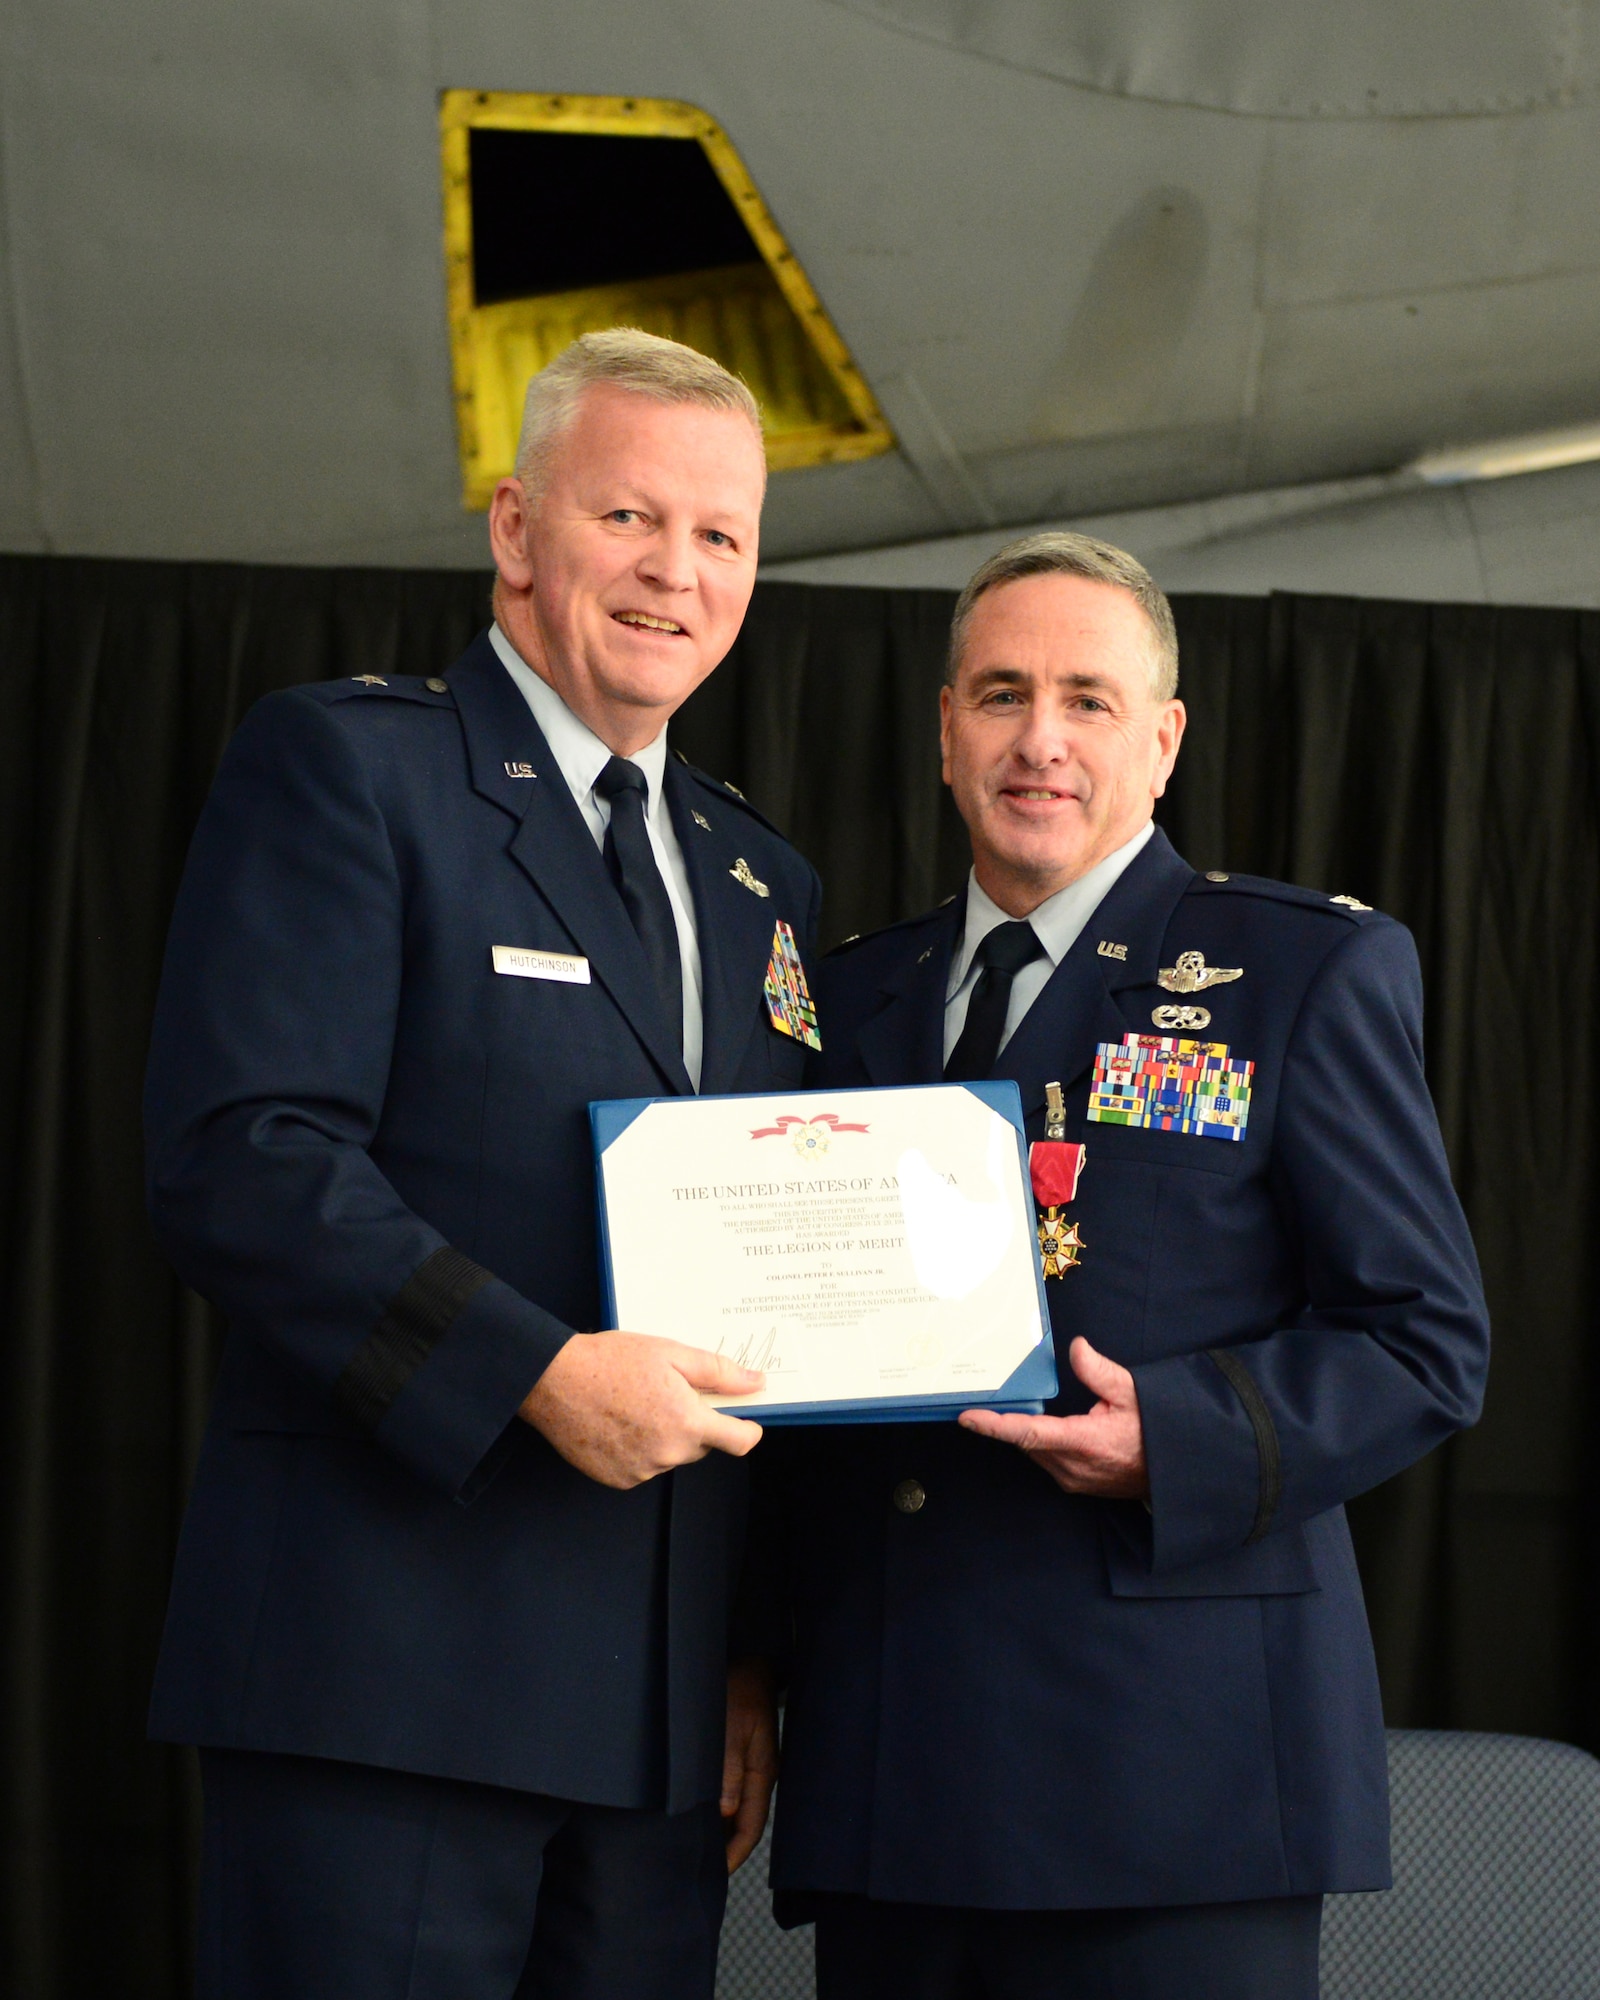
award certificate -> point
(873, 1252)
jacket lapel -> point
(1056, 1039)
(904, 1041)
(556, 850)
(735, 927)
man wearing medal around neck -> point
(1085, 1703)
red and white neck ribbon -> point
(1054, 1165)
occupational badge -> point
(1167, 1083)
(746, 877)
(1054, 1167)
(789, 1005)
(1182, 1017)
(1191, 974)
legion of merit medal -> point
(1054, 1167)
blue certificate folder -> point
(1028, 1389)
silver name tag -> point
(565, 966)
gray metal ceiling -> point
(1297, 60)
(1091, 254)
(1530, 540)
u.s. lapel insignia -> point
(1054, 1167)
(741, 873)
(1182, 1017)
(699, 819)
(1191, 974)
(514, 770)
(789, 1005)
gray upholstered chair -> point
(1496, 1896)
(1497, 1877)
(758, 1961)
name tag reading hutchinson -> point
(865, 1246)
(565, 966)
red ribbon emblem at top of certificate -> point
(1055, 1166)
(831, 1119)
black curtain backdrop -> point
(1439, 762)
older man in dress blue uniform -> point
(449, 1618)
(1084, 1704)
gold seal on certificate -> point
(871, 1251)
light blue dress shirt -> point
(1057, 923)
(581, 757)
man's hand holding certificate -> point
(872, 1253)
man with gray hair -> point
(1082, 1705)
(450, 1620)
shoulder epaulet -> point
(720, 788)
(431, 691)
(888, 930)
(1218, 881)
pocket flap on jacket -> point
(1278, 1566)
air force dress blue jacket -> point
(372, 1151)
(1016, 1698)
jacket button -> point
(909, 1495)
(437, 686)
(1217, 875)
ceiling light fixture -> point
(1538, 451)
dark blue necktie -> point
(1002, 954)
(632, 862)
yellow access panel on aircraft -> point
(745, 300)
